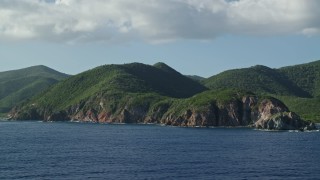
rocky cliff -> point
(248, 110)
(274, 115)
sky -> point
(196, 37)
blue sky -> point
(72, 36)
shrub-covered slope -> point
(298, 86)
(139, 93)
(259, 79)
(306, 76)
(19, 85)
(116, 84)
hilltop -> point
(139, 93)
(19, 85)
(259, 79)
(298, 86)
(196, 78)
(306, 76)
(116, 84)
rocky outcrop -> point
(193, 117)
(266, 113)
(274, 115)
(283, 121)
(57, 116)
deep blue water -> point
(36, 150)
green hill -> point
(19, 85)
(259, 79)
(306, 76)
(298, 86)
(139, 93)
(196, 78)
(307, 108)
(117, 84)
(164, 80)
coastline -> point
(164, 125)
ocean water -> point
(37, 150)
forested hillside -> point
(298, 86)
(19, 85)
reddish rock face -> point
(274, 115)
(104, 117)
(267, 113)
(269, 107)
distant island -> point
(258, 96)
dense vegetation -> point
(118, 85)
(306, 76)
(164, 80)
(156, 90)
(259, 79)
(19, 85)
(203, 101)
(113, 87)
(196, 78)
(307, 108)
(297, 86)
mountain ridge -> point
(32, 71)
(140, 93)
(257, 78)
(19, 85)
(307, 76)
(292, 84)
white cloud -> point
(154, 20)
(311, 32)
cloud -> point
(154, 21)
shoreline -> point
(156, 124)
